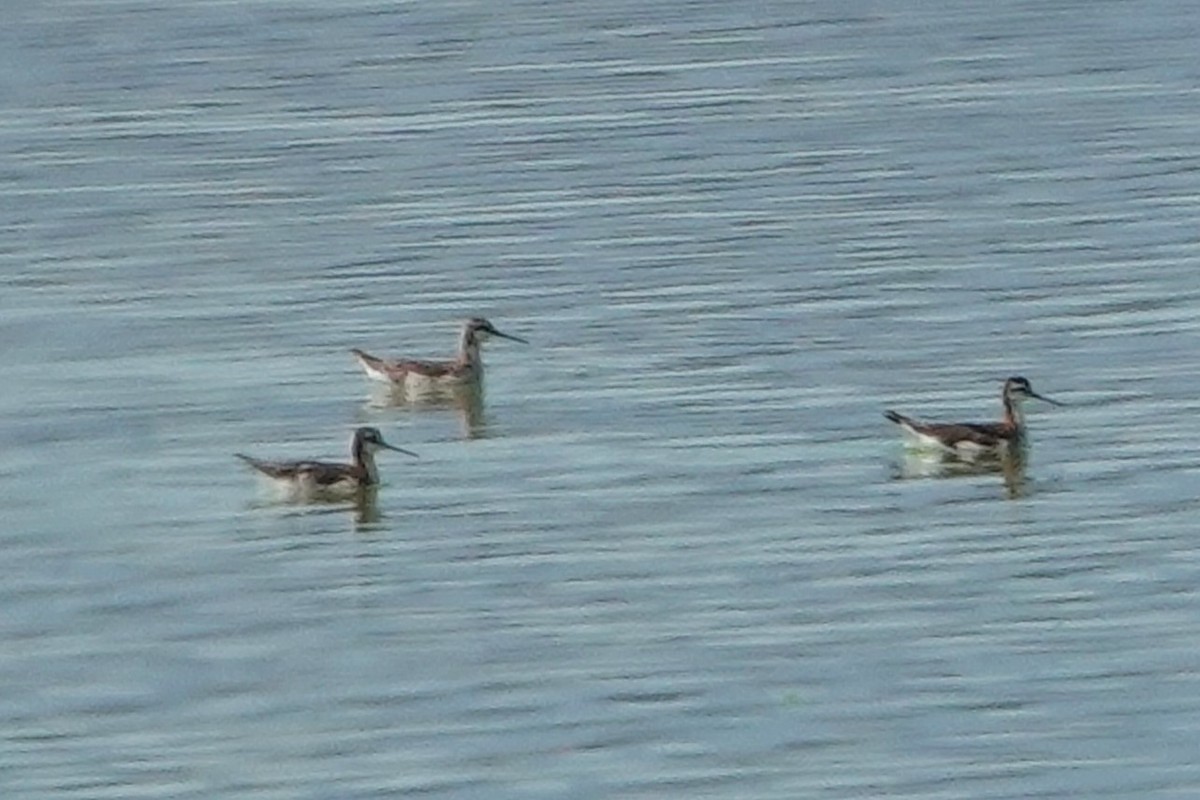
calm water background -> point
(674, 553)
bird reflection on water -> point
(465, 400)
(1010, 465)
(362, 506)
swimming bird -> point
(413, 373)
(313, 479)
(976, 439)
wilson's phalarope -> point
(973, 440)
(466, 367)
(324, 478)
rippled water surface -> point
(674, 550)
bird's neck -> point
(372, 473)
(364, 459)
(1013, 416)
(468, 349)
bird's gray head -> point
(371, 437)
(478, 329)
(371, 441)
(1017, 389)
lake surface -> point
(675, 551)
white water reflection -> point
(464, 402)
(1009, 466)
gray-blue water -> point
(675, 551)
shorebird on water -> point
(973, 440)
(324, 479)
(467, 366)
